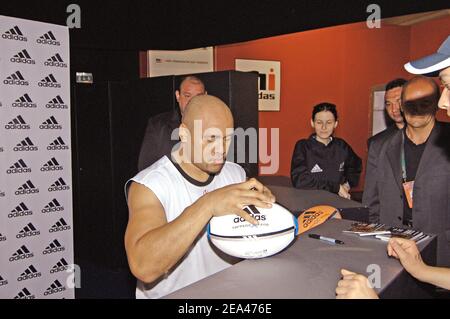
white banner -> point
(36, 239)
(165, 62)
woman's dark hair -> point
(325, 106)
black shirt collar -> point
(189, 178)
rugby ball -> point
(235, 236)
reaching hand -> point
(343, 192)
(354, 286)
(407, 252)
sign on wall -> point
(36, 241)
(162, 63)
(378, 109)
(269, 80)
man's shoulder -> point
(164, 118)
(377, 138)
(160, 167)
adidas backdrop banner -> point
(36, 240)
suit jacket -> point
(382, 135)
(384, 192)
(157, 140)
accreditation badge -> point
(408, 187)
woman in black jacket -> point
(323, 161)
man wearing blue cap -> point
(436, 64)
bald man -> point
(172, 201)
(414, 192)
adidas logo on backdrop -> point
(24, 101)
(49, 81)
(3, 281)
(16, 79)
(28, 231)
(50, 124)
(21, 253)
(17, 123)
(60, 266)
(26, 145)
(54, 288)
(60, 225)
(24, 294)
(20, 211)
(58, 185)
(52, 207)
(56, 103)
(48, 38)
(51, 165)
(22, 57)
(29, 273)
(27, 188)
(55, 60)
(54, 247)
(18, 167)
(14, 34)
(57, 145)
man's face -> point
(416, 98)
(392, 102)
(444, 101)
(209, 139)
(215, 143)
(188, 90)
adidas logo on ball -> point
(254, 212)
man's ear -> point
(312, 123)
(177, 95)
(336, 124)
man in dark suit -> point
(158, 134)
(392, 100)
(424, 143)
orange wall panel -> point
(339, 65)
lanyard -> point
(402, 157)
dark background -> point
(113, 32)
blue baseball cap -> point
(433, 63)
